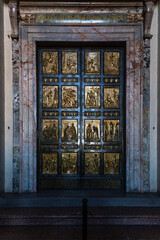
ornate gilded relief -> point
(92, 130)
(50, 129)
(92, 62)
(92, 96)
(69, 130)
(111, 130)
(69, 96)
(69, 62)
(92, 163)
(111, 97)
(50, 62)
(111, 63)
(50, 163)
(111, 163)
(50, 96)
(69, 163)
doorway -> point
(81, 118)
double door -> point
(81, 118)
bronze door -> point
(80, 118)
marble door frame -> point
(132, 35)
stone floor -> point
(74, 233)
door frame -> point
(132, 36)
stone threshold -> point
(74, 199)
(73, 216)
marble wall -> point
(16, 121)
(1, 98)
(137, 89)
(158, 121)
(146, 116)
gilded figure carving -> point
(111, 163)
(92, 163)
(50, 96)
(111, 130)
(92, 130)
(50, 62)
(50, 163)
(69, 163)
(111, 63)
(92, 96)
(69, 130)
(69, 62)
(111, 97)
(50, 129)
(69, 96)
(92, 62)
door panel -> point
(80, 118)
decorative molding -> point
(134, 18)
(13, 9)
(27, 18)
(148, 15)
(81, 4)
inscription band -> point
(78, 18)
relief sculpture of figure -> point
(111, 97)
(50, 131)
(92, 97)
(92, 63)
(117, 131)
(69, 163)
(70, 133)
(69, 62)
(92, 132)
(89, 132)
(111, 63)
(106, 133)
(50, 164)
(111, 163)
(111, 130)
(92, 163)
(69, 96)
(50, 63)
(50, 96)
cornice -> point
(30, 3)
(148, 7)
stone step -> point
(72, 216)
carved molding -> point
(134, 18)
(27, 18)
(13, 9)
(148, 15)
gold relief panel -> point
(111, 63)
(50, 163)
(92, 130)
(92, 163)
(69, 62)
(111, 163)
(69, 96)
(50, 96)
(69, 130)
(92, 96)
(69, 163)
(111, 130)
(92, 62)
(50, 129)
(111, 97)
(50, 62)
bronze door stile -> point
(81, 118)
